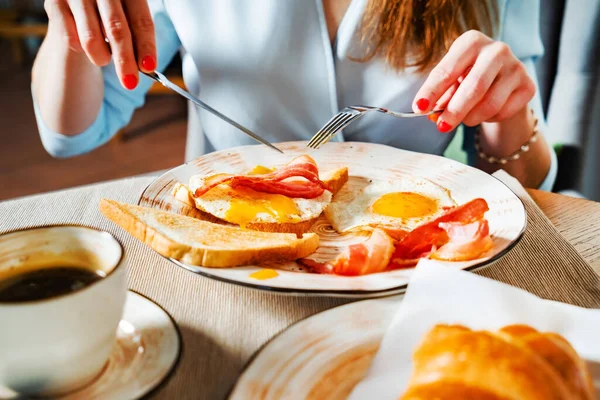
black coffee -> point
(45, 283)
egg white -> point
(218, 200)
(351, 207)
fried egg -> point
(400, 204)
(243, 206)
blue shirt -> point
(270, 65)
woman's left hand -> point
(478, 80)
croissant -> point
(515, 362)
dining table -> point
(222, 325)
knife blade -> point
(160, 78)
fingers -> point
(516, 101)
(119, 36)
(142, 29)
(61, 20)
(494, 101)
(476, 85)
(520, 97)
(89, 32)
(461, 55)
(442, 103)
(84, 24)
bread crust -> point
(214, 245)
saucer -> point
(145, 352)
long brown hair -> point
(417, 33)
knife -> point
(160, 78)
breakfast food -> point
(515, 362)
(391, 224)
(288, 199)
(398, 205)
(409, 218)
(203, 243)
(460, 233)
(368, 257)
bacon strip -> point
(421, 240)
(467, 241)
(316, 267)
(211, 182)
(289, 189)
(395, 233)
(300, 167)
(460, 234)
(368, 257)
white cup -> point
(59, 344)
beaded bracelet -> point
(514, 156)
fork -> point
(350, 114)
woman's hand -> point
(126, 24)
(478, 80)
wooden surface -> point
(577, 220)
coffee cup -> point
(62, 294)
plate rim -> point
(258, 351)
(358, 294)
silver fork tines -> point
(349, 115)
(333, 126)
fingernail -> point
(444, 127)
(422, 104)
(149, 63)
(130, 81)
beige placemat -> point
(222, 325)
(543, 262)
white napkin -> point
(439, 294)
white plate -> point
(507, 218)
(321, 357)
(326, 355)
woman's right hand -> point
(126, 24)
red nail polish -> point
(149, 63)
(422, 104)
(444, 127)
(130, 81)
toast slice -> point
(203, 243)
(334, 179)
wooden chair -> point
(15, 32)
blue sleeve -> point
(119, 104)
(520, 29)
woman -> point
(283, 68)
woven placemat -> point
(543, 262)
(222, 325)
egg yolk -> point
(260, 170)
(404, 205)
(246, 204)
(264, 274)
